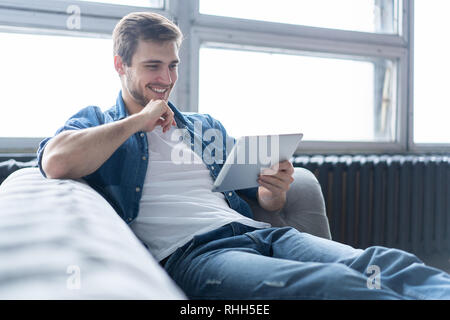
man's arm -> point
(77, 153)
(74, 154)
(274, 184)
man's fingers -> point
(268, 171)
(168, 120)
(270, 185)
(284, 166)
(280, 175)
(276, 181)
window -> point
(352, 75)
(58, 59)
(333, 70)
(49, 78)
(431, 70)
(326, 98)
(378, 16)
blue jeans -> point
(241, 262)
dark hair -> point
(142, 26)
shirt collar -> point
(119, 110)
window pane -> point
(359, 15)
(159, 4)
(47, 79)
(326, 98)
(431, 70)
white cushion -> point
(59, 239)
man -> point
(208, 242)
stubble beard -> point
(135, 92)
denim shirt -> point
(120, 179)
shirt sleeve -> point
(88, 117)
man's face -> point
(153, 71)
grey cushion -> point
(304, 209)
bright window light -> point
(431, 70)
(325, 98)
(47, 79)
(358, 15)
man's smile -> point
(158, 89)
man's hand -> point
(274, 184)
(157, 113)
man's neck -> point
(131, 106)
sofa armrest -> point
(60, 239)
(304, 208)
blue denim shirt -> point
(120, 179)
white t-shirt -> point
(177, 202)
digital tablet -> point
(250, 155)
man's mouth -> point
(158, 89)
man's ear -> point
(119, 65)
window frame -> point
(99, 19)
(48, 17)
(237, 31)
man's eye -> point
(173, 66)
(151, 66)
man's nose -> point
(165, 77)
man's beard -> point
(135, 93)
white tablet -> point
(249, 155)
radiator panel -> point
(399, 201)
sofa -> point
(60, 239)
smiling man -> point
(145, 76)
(207, 241)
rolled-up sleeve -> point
(88, 117)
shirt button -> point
(142, 134)
(138, 189)
(230, 194)
(129, 219)
(144, 158)
(212, 167)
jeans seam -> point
(258, 242)
(234, 228)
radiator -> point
(400, 201)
